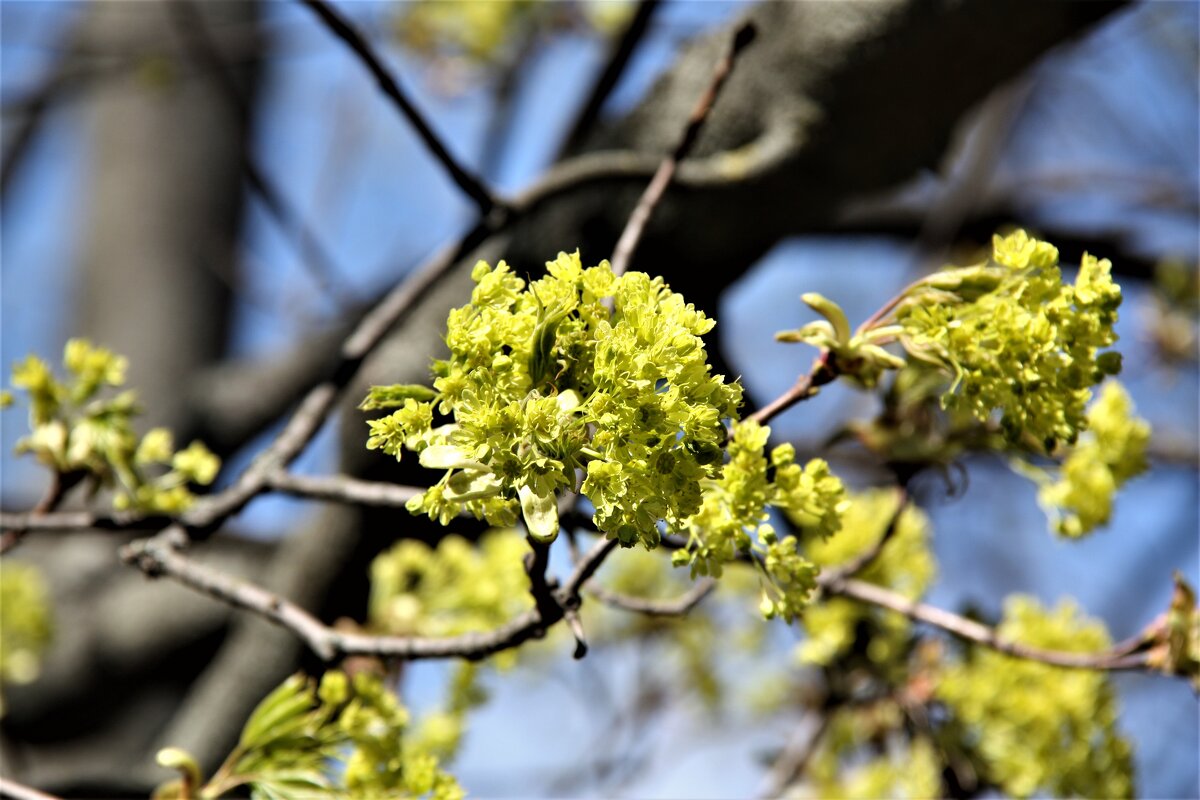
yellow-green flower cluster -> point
(733, 517)
(1040, 728)
(546, 380)
(1017, 338)
(25, 622)
(905, 565)
(1112, 451)
(897, 767)
(454, 588)
(343, 738)
(74, 431)
(1079, 496)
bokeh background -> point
(1097, 141)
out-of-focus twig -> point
(60, 484)
(794, 758)
(675, 607)
(342, 29)
(618, 60)
(19, 791)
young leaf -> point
(394, 396)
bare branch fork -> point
(157, 557)
(342, 29)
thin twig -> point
(342, 29)
(19, 791)
(59, 521)
(976, 632)
(833, 582)
(822, 372)
(675, 607)
(627, 244)
(867, 557)
(342, 489)
(320, 400)
(794, 757)
(619, 59)
(60, 484)
(159, 556)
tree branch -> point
(867, 557)
(822, 372)
(342, 489)
(321, 399)
(342, 29)
(677, 607)
(794, 758)
(972, 631)
(627, 244)
(60, 484)
(610, 76)
(159, 556)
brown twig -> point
(627, 244)
(320, 400)
(159, 556)
(342, 489)
(972, 631)
(342, 29)
(823, 371)
(794, 758)
(675, 607)
(334, 488)
(619, 58)
(867, 557)
(60, 484)
(834, 582)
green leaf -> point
(394, 396)
(182, 761)
(290, 700)
(294, 783)
(830, 311)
